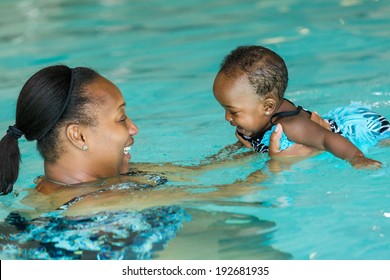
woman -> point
(83, 134)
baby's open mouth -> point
(241, 130)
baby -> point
(250, 86)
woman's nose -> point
(133, 129)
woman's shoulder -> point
(62, 196)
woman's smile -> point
(126, 152)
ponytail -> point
(9, 160)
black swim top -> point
(256, 140)
(153, 181)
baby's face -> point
(243, 108)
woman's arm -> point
(229, 155)
(223, 153)
(136, 200)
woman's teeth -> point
(126, 150)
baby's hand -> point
(363, 162)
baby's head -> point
(265, 70)
(250, 85)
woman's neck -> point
(66, 174)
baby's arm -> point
(296, 150)
(307, 132)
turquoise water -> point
(164, 55)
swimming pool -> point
(164, 55)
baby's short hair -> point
(265, 69)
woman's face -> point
(110, 140)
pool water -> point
(164, 55)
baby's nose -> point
(228, 116)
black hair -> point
(265, 69)
(52, 97)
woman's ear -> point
(74, 133)
(269, 106)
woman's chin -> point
(125, 165)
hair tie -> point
(14, 132)
(64, 107)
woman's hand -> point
(274, 142)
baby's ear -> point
(269, 105)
